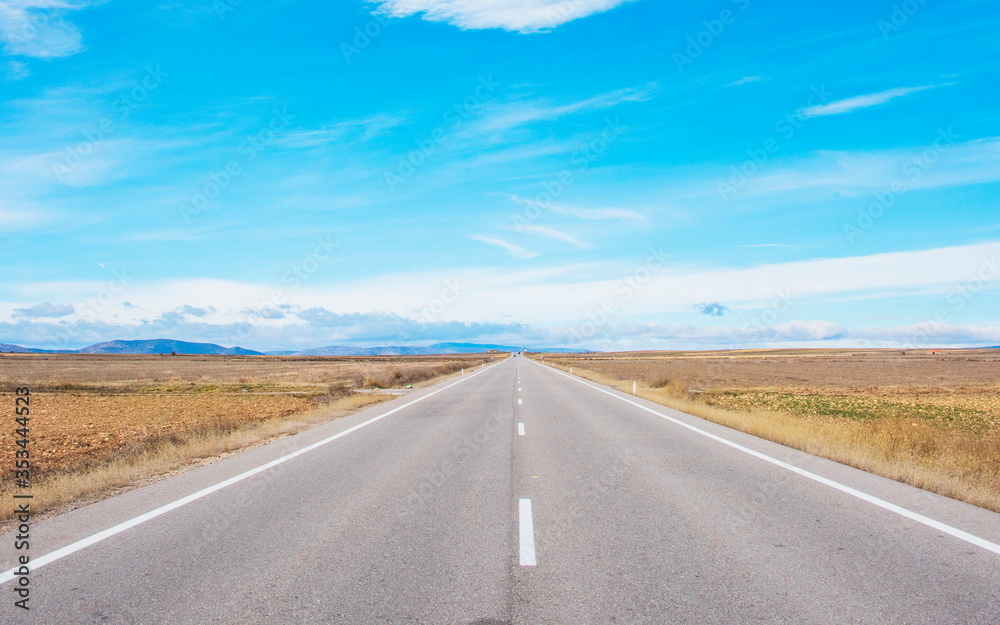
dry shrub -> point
(671, 386)
(336, 390)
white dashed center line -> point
(520, 429)
(527, 534)
(519, 402)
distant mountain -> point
(474, 348)
(469, 348)
(437, 348)
(163, 346)
(385, 350)
(7, 347)
(166, 346)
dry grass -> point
(929, 421)
(102, 424)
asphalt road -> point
(441, 511)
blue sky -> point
(592, 173)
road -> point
(517, 494)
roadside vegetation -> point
(104, 424)
(929, 420)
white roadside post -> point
(633, 387)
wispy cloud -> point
(519, 113)
(525, 16)
(856, 172)
(590, 214)
(599, 214)
(552, 233)
(516, 251)
(362, 129)
(37, 28)
(745, 80)
(849, 105)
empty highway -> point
(516, 494)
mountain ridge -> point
(167, 346)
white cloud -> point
(545, 302)
(37, 28)
(317, 327)
(850, 105)
(599, 214)
(590, 214)
(516, 251)
(552, 233)
(552, 295)
(45, 309)
(942, 163)
(745, 80)
(361, 129)
(525, 16)
(520, 113)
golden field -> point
(930, 419)
(101, 423)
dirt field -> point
(814, 369)
(101, 422)
(929, 419)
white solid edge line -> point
(48, 558)
(526, 533)
(909, 514)
(520, 429)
